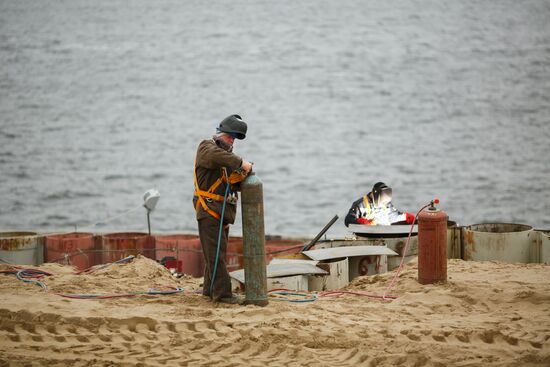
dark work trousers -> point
(208, 232)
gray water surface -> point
(102, 100)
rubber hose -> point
(219, 239)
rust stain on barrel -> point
(469, 245)
(497, 241)
(10, 241)
(119, 245)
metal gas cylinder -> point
(432, 245)
(255, 274)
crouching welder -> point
(218, 172)
(376, 208)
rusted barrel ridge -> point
(116, 246)
(454, 235)
(545, 247)
(183, 247)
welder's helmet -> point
(382, 193)
(233, 125)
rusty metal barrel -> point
(255, 274)
(185, 248)
(116, 246)
(22, 248)
(77, 249)
(273, 248)
(432, 246)
(506, 242)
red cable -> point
(98, 297)
(336, 293)
(384, 296)
(8, 272)
(341, 293)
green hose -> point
(307, 297)
(219, 239)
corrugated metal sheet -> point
(281, 270)
(348, 251)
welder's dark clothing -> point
(208, 233)
(209, 161)
(364, 208)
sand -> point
(487, 314)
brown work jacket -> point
(208, 164)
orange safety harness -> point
(235, 177)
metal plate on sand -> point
(348, 251)
(281, 270)
(383, 230)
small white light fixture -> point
(150, 199)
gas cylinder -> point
(255, 273)
(432, 245)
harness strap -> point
(200, 194)
(235, 177)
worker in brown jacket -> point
(217, 174)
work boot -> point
(234, 300)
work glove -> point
(409, 218)
(364, 221)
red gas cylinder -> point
(432, 246)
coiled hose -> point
(29, 275)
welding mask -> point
(233, 125)
(382, 194)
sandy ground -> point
(487, 314)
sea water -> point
(101, 101)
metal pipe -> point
(320, 234)
(255, 274)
